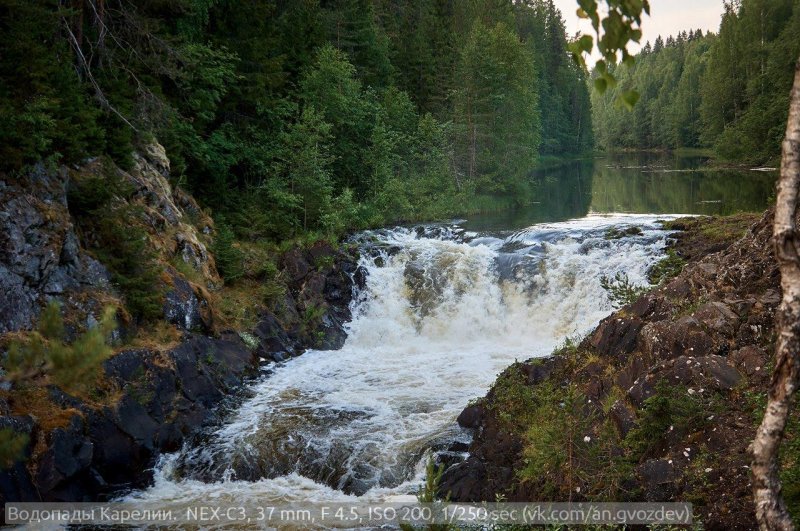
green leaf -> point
(629, 98)
(600, 84)
(585, 43)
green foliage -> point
(122, 245)
(621, 291)
(89, 195)
(668, 267)
(566, 453)
(46, 110)
(297, 117)
(430, 491)
(727, 91)
(12, 446)
(70, 366)
(620, 25)
(229, 259)
(44, 352)
(670, 410)
(497, 121)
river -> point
(445, 308)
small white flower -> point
(587, 439)
(708, 470)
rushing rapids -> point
(444, 310)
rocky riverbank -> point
(658, 403)
(170, 374)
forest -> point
(296, 117)
(726, 91)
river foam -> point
(442, 313)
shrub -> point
(44, 353)
(621, 291)
(671, 408)
(668, 267)
(123, 247)
(570, 450)
(230, 260)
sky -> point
(667, 17)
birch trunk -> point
(770, 507)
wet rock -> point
(333, 334)
(68, 453)
(465, 482)
(471, 417)
(273, 341)
(16, 483)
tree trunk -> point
(770, 507)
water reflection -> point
(638, 183)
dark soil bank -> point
(658, 403)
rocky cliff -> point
(658, 403)
(167, 378)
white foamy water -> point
(443, 312)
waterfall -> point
(444, 310)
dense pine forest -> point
(727, 91)
(288, 117)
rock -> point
(657, 477)
(752, 360)
(464, 482)
(39, 252)
(719, 317)
(185, 306)
(538, 370)
(295, 265)
(622, 417)
(471, 417)
(616, 335)
(709, 373)
(19, 305)
(665, 340)
(69, 452)
(272, 339)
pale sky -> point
(667, 17)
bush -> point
(671, 408)
(668, 267)
(230, 260)
(621, 291)
(123, 247)
(570, 450)
(73, 367)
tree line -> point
(286, 117)
(727, 91)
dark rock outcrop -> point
(102, 450)
(39, 253)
